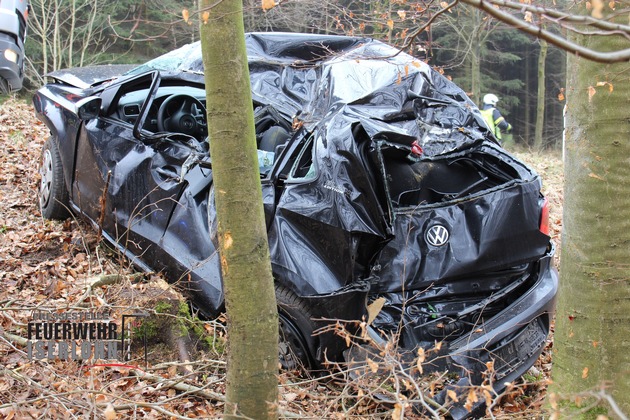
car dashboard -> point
(130, 104)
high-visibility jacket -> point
(495, 120)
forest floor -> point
(63, 267)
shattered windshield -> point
(186, 58)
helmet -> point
(490, 99)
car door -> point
(127, 182)
(190, 244)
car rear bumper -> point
(498, 351)
(508, 344)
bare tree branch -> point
(488, 6)
(557, 15)
(410, 39)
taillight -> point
(544, 218)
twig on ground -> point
(106, 280)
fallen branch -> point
(109, 279)
(14, 338)
(178, 385)
(106, 280)
(194, 390)
(135, 405)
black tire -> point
(53, 194)
(4, 87)
(297, 343)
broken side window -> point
(303, 168)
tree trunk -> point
(70, 41)
(44, 38)
(475, 75)
(540, 107)
(475, 57)
(249, 292)
(56, 52)
(526, 129)
(592, 335)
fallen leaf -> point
(268, 4)
(110, 412)
(397, 413)
(471, 399)
(374, 309)
(452, 395)
(487, 397)
(373, 365)
(585, 373)
(421, 358)
(289, 396)
(598, 8)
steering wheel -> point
(183, 114)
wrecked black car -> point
(381, 182)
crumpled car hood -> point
(85, 77)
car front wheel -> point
(53, 194)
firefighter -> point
(493, 117)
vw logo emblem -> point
(437, 235)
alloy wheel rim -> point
(46, 173)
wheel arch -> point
(348, 304)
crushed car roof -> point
(317, 75)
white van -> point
(13, 15)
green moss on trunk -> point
(592, 335)
(248, 283)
